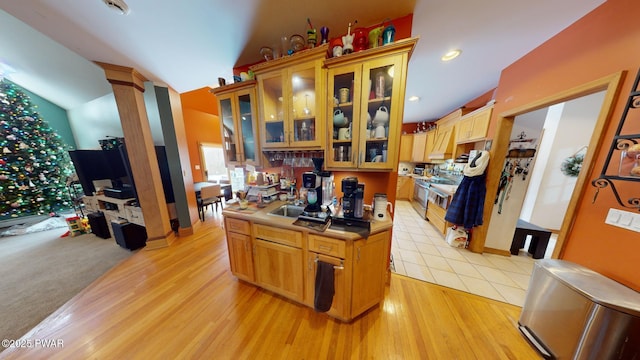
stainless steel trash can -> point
(571, 312)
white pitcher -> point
(380, 204)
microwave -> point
(418, 171)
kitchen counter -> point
(261, 215)
(447, 189)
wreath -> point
(571, 166)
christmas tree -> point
(34, 162)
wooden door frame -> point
(611, 85)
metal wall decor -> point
(626, 148)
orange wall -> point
(604, 42)
(200, 109)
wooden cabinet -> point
(435, 215)
(291, 92)
(375, 79)
(368, 275)
(359, 272)
(473, 126)
(278, 269)
(404, 188)
(240, 248)
(279, 261)
(285, 261)
(406, 147)
(419, 143)
(238, 123)
(331, 251)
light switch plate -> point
(624, 219)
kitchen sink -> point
(288, 210)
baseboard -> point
(497, 251)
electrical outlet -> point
(624, 219)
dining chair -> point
(209, 196)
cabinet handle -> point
(324, 247)
(335, 267)
(358, 254)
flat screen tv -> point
(114, 165)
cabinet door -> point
(240, 256)
(279, 268)
(339, 306)
(247, 126)
(344, 84)
(464, 128)
(370, 263)
(382, 100)
(419, 143)
(273, 106)
(480, 124)
(406, 147)
(304, 84)
(229, 131)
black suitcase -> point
(98, 224)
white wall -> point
(98, 119)
(574, 131)
(94, 121)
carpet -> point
(41, 271)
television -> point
(114, 165)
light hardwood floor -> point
(182, 302)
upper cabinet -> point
(443, 140)
(365, 104)
(237, 104)
(291, 100)
(406, 147)
(473, 126)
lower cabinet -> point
(285, 262)
(278, 269)
(339, 307)
(435, 215)
(240, 248)
(279, 261)
(369, 272)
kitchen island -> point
(271, 252)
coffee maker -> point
(349, 189)
(313, 183)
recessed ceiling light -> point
(117, 5)
(414, 98)
(451, 55)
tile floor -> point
(420, 251)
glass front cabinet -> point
(237, 108)
(291, 101)
(366, 93)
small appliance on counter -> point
(349, 188)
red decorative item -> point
(360, 40)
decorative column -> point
(128, 88)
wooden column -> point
(128, 88)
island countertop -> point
(261, 215)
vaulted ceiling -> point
(48, 46)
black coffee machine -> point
(349, 189)
(312, 181)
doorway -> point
(533, 187)
(610, 86)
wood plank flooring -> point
(182, 302)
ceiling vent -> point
(118, 5)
